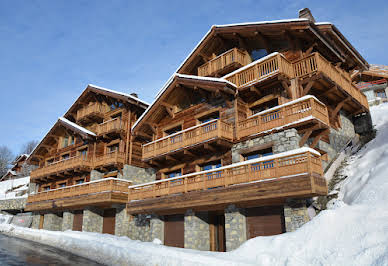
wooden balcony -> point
(292, 114)
(215, 129)
(228, 61)
(316, 63)
(95, 110)
(261, 69)
(295, 173)
(109, 128)
(112, 158)
(78, 163)
(100, 192)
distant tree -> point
(6, 158)
(29, 146)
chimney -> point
(306, 13)
(134, 95)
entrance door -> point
(78, 220)
(265, 221)
(217, 231)
(174, 231)
(41, 221)
(109, 220)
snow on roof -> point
(263, 22)
(257, 160)
(76, 126)
(168, 83)
(119, 93)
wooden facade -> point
(95, 134)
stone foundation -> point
(121, 221)
(92, 220)
(96, 175)
(35, 221)
(137, 175)
(146, 227)
(235, 227)
(157, 228)
(52, 222)
(197, 233)
(295, 214)
(67, 221)
(13, 204)
(280, 142)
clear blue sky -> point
(50, 50)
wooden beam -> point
(264, 41)
(263, 100)
(318, 137)
(310, 49)
(305, 137)
(307, 88)
(338, 107)
(209, 147)
(287, 88)
(254, 89)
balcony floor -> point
(103, 199)
(304, 185)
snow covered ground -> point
(9, 188)
(354, 231)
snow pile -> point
(5, 219)
(10, 188)
(353, 231)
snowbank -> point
(9, 188)
(353, 231)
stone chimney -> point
(134, 95)
(306, 13)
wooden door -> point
(109, 220)
(174, 231)
(41, 221)
(217, 232)
(78, 220)
(265, 221)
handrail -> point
(90, 109)
(190, 136)
(110, 125)
(283, 115)
(223, 60)
(97, 186)
(301, 161)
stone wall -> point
(121, 221)
(13, 204)
(197, 234)
(52, 222)
(96, 175)
(35, 221)
(137, 175)
(67, 222)
(235, 227)
(281, 142)
(363, 123)
(157, 227)
(92, 220)
(146, 227)
(295, 214)
(22, 219)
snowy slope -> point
(353, 232)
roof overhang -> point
(189, 80)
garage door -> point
(174, 231)
(109, 220)
(77, 222)
(265, 221)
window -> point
(257, 54)
(83, 152)
(381, 94)
(67, 140)
(60, 185)
(66, 156)
(173, 130)
(207, 118)
(46, 188)
(173, 174)
(176, 138)
(265, 106)
(113, 148)
(259, 154)
(79, 181)
(116, 105)
(211, 166)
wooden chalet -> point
(81, 158)
(18, 168)
(218, 132)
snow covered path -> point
(353, 231)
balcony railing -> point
(109, 158)
(62, 165)
(98, 186)
(265, 67)
(233, 56)
(316, 63)
(300, 161)
(289, 114)
(87, 162)
(110, 126)
(190, 136)
(93, 109)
